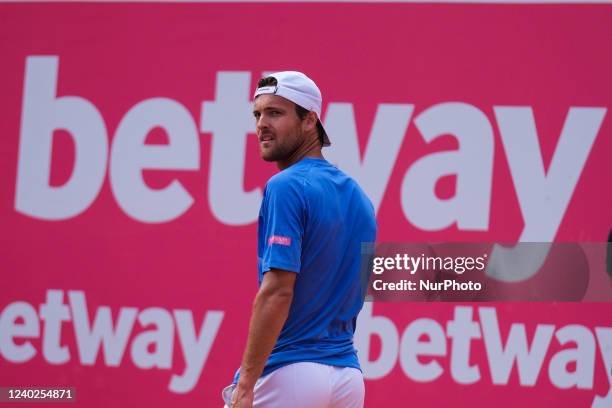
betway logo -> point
(21, 320)
(501, 354)
(543, 195)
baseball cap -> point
(299, 89)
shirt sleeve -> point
(281, 226)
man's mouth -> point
(265, 138)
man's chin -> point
(268, 156)
(271, 155)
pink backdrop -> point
(156, 239)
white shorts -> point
(310, 385)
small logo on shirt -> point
(280, 240)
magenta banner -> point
(130, 184)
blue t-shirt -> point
(312, 221)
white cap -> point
(299, 89)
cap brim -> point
(326, 141)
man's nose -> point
(262, 122)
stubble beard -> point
(282, 151)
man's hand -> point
(242, 397)
(270, 310)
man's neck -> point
(313, 150)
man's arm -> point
(270, 311)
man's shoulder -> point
(292, 177)
(286, 180)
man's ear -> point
(311, 121)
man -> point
(312, 221)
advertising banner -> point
(130, 185)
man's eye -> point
(256, 115)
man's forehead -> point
(267, 101)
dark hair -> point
(267, 81)
(299, 110)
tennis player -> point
(312, 221)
